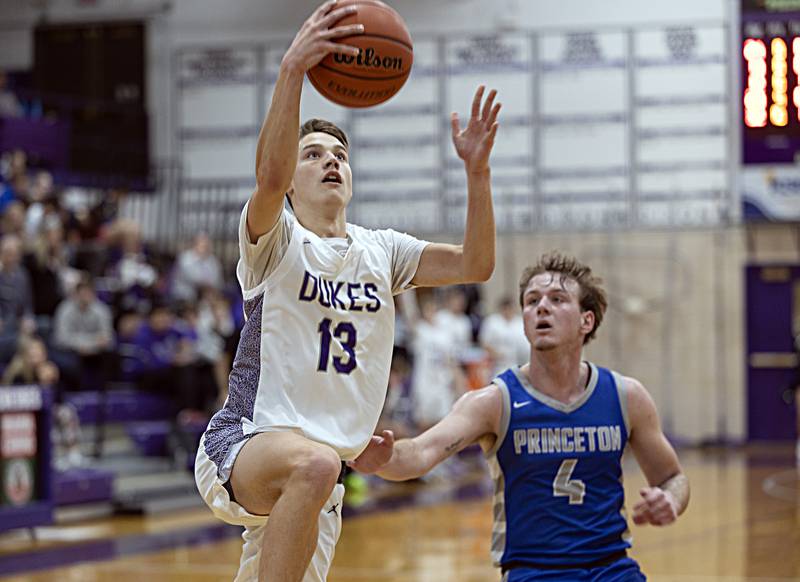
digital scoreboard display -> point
(770, 110)
(770, 74)
(771, 90)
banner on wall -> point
(212, 65)
(771, 192)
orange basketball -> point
(379, 70)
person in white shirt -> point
(436, 377)
(453, 317)
(310, 375)
(195, 268)
(502, 335)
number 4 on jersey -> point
(563, 486)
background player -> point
(554, 431)
(311, 371)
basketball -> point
(379, 70)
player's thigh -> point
(267, 462)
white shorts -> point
(213, 492)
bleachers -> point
(138, 471)
(82, 485)
(125, 404)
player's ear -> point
(587, 322)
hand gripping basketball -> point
(315, 39)
(382, 64)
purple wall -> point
(769, 329)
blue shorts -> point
(623, 570)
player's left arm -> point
(475, 417)
(473, 260)
(668, 494)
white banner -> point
(771, 192)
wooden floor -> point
(743, 523)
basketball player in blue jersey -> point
(553, 432)
(311, 371)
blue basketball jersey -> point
(558, 497)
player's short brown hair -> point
(323, 126)
(592, 296)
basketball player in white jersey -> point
(553, 431)
(311, 371)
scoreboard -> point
(771, 88)
(770, 109)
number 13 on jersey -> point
(346, 337)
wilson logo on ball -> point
(368, 59)
(383, 63)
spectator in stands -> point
(196, 267)
(210, 361)
(13, 220)
(16, 306)
(133, 267)
(133, 276)
(129, 353)
(105, 213)
(9, 104)
(436, 380)
(13, 163)
(503, 337)
(214, 314)
(14, 178)
(474, 307)
(19, 163)
(40, 203)
(7, 196)
(48, 267)
(83, 330)
(454, 318)
(30, 365)
(166, 357)
(89, 254)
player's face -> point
(323, 174)
(552, 314)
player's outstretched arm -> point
(668, 494)
(473, 260)
(475, 417)
(276, 152)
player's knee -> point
(318, 470)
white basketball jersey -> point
(326, 334)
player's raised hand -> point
(474, 143)
(657, 507)
(315, 40)
(376, 455)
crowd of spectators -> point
(84, 302)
